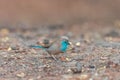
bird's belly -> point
(54, 51)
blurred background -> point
(34, 13)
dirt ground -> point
(95, 54)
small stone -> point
(103, 58)
(84, 76)
(63, 58)
(38, 77)
(78, 68)
(9, 49)
(5, 39)
(91, 66)
(78, 44)
(91, 79)
(69, 70)
(30, 79)
(68, 59)
(96, 74)
(100, 69)
(21, 75)
(76, 77)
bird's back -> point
(55, 48)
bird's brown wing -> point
(54, 48)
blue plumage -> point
(64, 45)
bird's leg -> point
(56, 60)
(53, 57)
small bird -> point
(56, 47)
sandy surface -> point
(96, 53)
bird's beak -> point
(71, 46)
(69, 43)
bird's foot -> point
(54, 57)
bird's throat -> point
(64, 46)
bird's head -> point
(64, 44)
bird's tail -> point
(32, 46)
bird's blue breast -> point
(64, 46)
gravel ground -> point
(96, 53)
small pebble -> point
(91, 66)
(91, 79)
(68, 59)
(9, 49)
(78, 68)
(84, 77)
(31, 79)
(38, 77)
(78, 44)
(5, 39)
(20, 75)
(69, 70)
